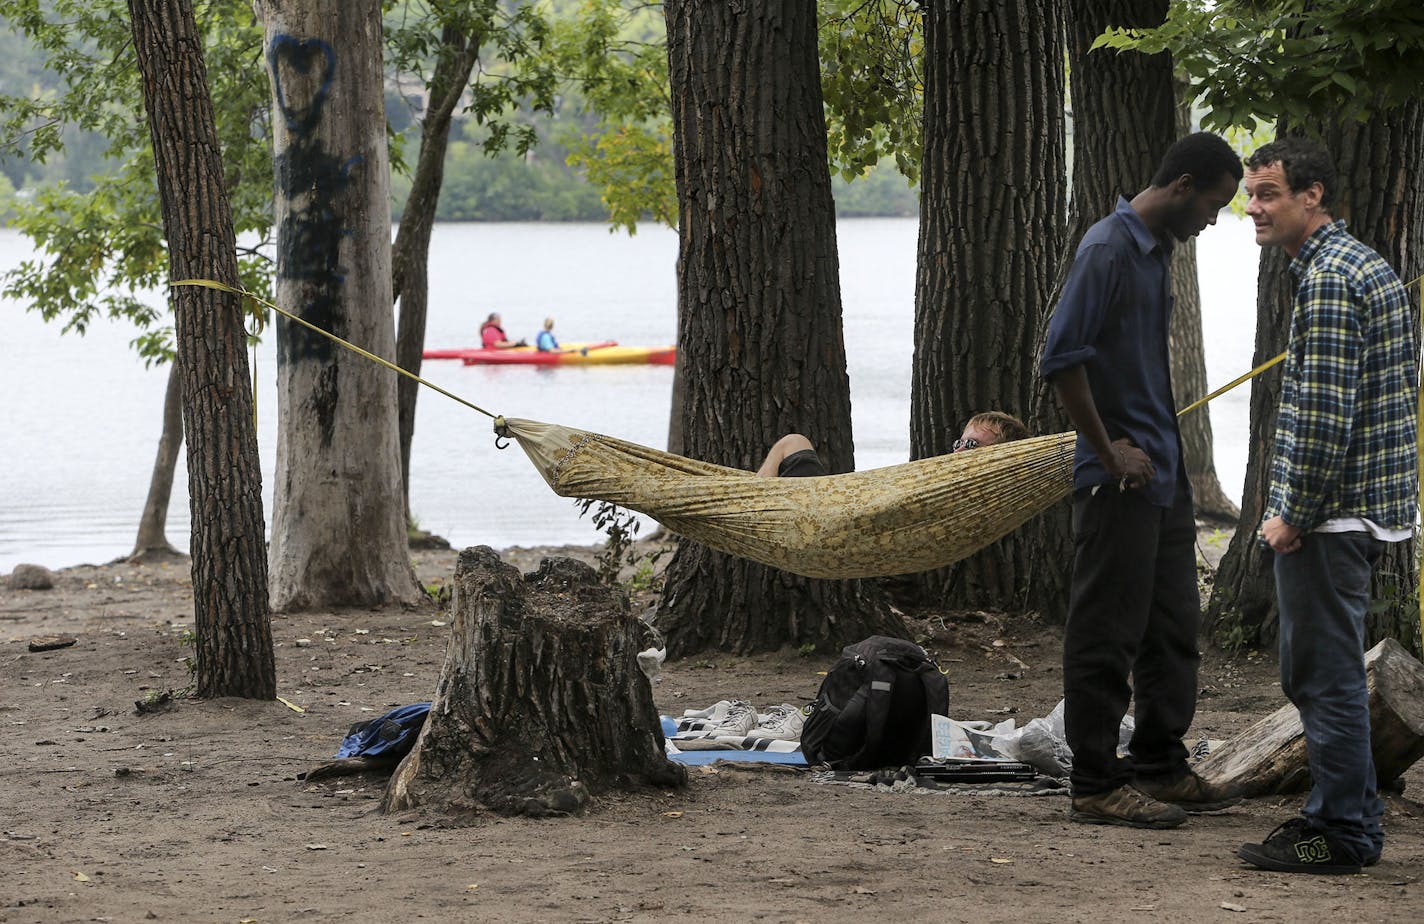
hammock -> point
(903, 518)
(896, 520)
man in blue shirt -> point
(1343, 484)
(1133, 606)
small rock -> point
(31, 577)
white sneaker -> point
(782, 722)
(739, 721)
(699, 721)
(716, 712)
(736, 721)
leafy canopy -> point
(1289, 59)
(99, 252)
(612, 54)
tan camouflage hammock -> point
(910, 517)
(895, 520)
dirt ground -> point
(196, 813)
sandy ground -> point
(196, 813)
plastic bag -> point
(1043, 744)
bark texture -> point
(231, 616)
(1189, 383)
(1381, 177)
(541, 703)
(410, 256)
(338, 531)
(1189, 380)
(760, 345)
(1123, 122)
(152, 542)
(991, 234)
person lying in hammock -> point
(793, 456)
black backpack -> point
(873, 709)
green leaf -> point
(1345, 81)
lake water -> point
(82, 416)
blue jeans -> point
(1324, 590)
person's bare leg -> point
(791, 442)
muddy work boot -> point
(1190, 792)
(1128, 806)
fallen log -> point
(541, 703)
(1270, 756)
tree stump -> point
(1270, 756)
(541, 703)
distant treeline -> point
(539, 187)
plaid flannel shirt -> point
(1345, 436)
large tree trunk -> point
(231, 618)
(152, 541)
(338, 531)
(991, 230)
(410, 258)
(1188, 384)
(761, 350)
(541, 702)
(1382, 198)
(1381, 169)
(1189, 364)
(1242, 609)
(1124, 119)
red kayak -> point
(604, 353)
(477, 352)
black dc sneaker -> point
(1296, 847)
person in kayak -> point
(793, 456)
(546, 342)
(492, 334)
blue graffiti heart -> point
(288, 56)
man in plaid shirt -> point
(1343, 484)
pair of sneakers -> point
(1148, 803)
(738, 719)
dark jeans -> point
(1133, 608)
(1324, 591)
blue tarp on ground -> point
(699, 758)
(395, 732)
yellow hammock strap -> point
(1419, 281)
(214, 284)
(1232, 384)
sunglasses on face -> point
(966, 443)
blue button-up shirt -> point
(1113, 319)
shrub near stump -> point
(540, 704)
